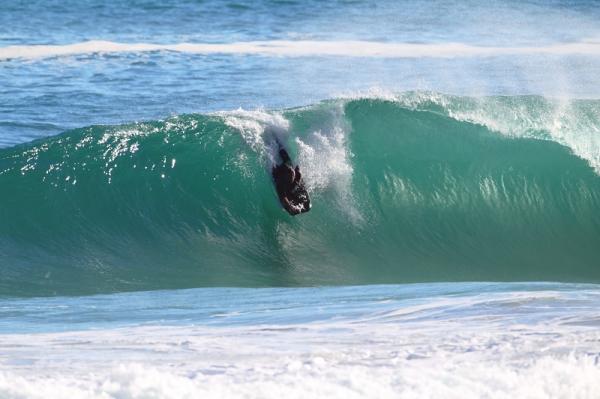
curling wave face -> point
(414, 187)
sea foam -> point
(411, 341)
(302, 48)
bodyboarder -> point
(289, 185)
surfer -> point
(290, 189)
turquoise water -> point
(188, 201)
(572, 304)
(451, 151)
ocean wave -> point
(420, 187)
(302, 48)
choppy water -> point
(443, 143)
(511, 48)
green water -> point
(401, 193)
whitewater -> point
(451, 151)
(457, 340)
(299, 48)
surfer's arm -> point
(293, 209)
(297, 174)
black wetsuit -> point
(287, 180)
(284, 177)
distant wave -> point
(301, 48)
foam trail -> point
(301, 48)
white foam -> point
(302, 48)
(322, 377)
(326, 158)
(259, 128)
(367, 342)
(467, 358)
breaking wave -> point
(413, 187)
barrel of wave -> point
(451, 200)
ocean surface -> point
(451, 150)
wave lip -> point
(301, 48)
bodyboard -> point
(298, 196)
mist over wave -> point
(415, 187)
